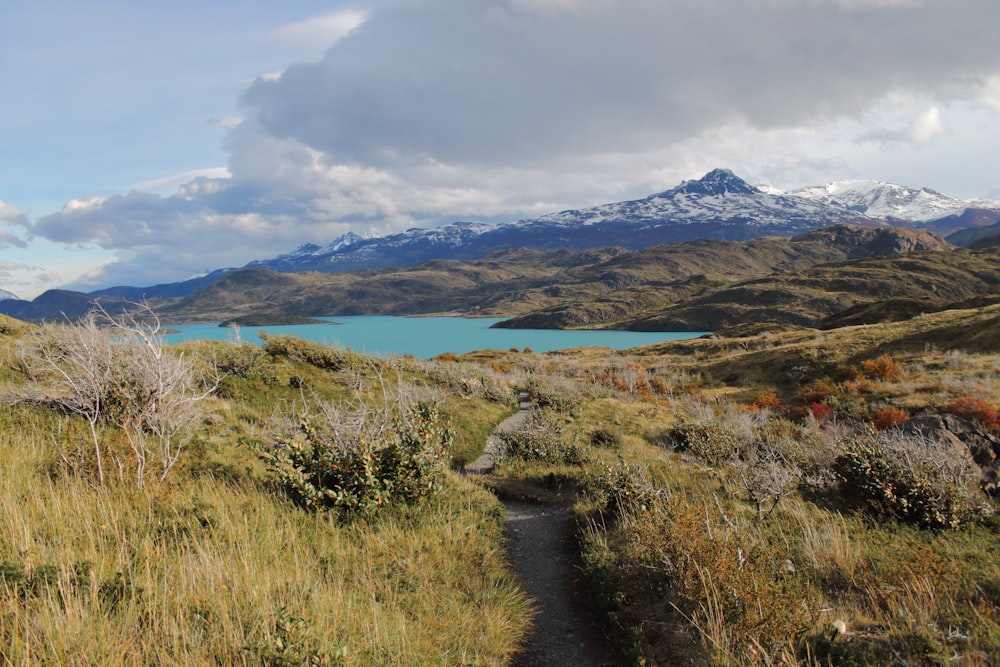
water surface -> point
(425, 337)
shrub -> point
(888, 417)
(364, 459)
(767, 400)
(766, 474)
(247, 361)
(660, 387)
(713, 439)
(883, 368)
(918, 481)
(539, 438)
(821, 412)
(120, 375)
(729, 582)
(560, 395)
(315, 354)
(471, 380)
(605, 439)
(625, 488)
(973, 409)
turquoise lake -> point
(425, 337)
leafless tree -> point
(765, 474)
(117, 372)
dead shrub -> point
(883, 368)
(116, 372)
(888, 417)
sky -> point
(144, 143)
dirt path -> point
(539, 546)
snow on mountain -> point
(718, 205)
(720, 196)
(4, 294)
(892, 202)
(344, 241)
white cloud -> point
(927, 126)
(923, 128)
(311, 38)
(442, 81)
(436, 110)
(12, 215)
(171, 183)
(7, 239)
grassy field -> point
(743, 499)
(215, 565)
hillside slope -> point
(932, 280)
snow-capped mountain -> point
(4, 294)
(718, 205)
(307, 253)
(720, 197)
(892, 202)
(350, 251)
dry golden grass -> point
(215, 567)
(818, 581)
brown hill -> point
(813, 296)
(639, 285)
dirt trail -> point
(539, 546)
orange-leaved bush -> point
(973, 409)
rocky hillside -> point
(644, 282)
(872, 290)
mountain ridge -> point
(718, 205)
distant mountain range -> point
(719, 205)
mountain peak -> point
(716, 183)
(343, 241)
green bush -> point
(363, 463)
(625, 488)
(606, 439)
(314, 354)
(562, 396)
(247, 361)
(916, 480)
(470, 380)
(539, 438)
(714, 440)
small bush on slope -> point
(539, 438)
(909, 477)
(364, 459)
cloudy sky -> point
(143, 143)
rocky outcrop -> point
(981, 446)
